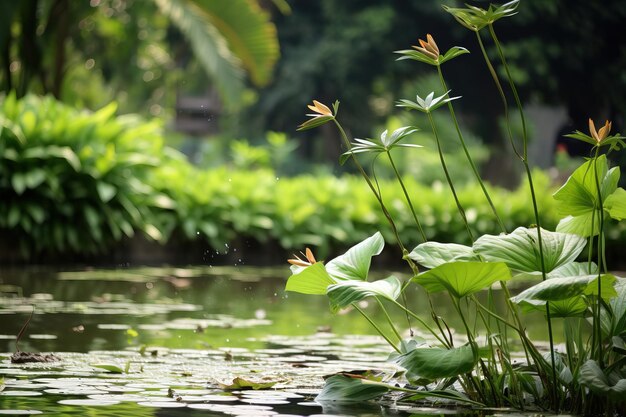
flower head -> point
(428, 52)
(320, 109)
(427, 104)
(308, 260)
(599, 135)
(428, 47)
(321, 114)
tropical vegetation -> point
(490, 360)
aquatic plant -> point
(479, 365)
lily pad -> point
(241, 383)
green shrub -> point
(74, 181)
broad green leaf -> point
(578, 197)
(105, 191)
(618, 306)
(347, 292)
(593, 377)
(18, 181)
(563, 288)
(433, 254)
(615, 204)
(573, 269)
(582, 225)
(311, 280)
(210, 46)
(520, 249)
(463, 278)
(243, 384)
(341, 388)
(35, 178)
(355, 263)
(435, 363)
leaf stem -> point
(447, 174)
(406, 195)
(467, 154)
(524, 158)
(378, 329)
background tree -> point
(43, 41)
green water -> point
(177, 336)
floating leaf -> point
(108, 367)
(347, 292)
(433, 254)
(592, 377)
(311, 280)
(520, 249)
(435, 363)
(463, 278)
(244, 384)
(342, 388)
(355, 263)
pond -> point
(184, 341)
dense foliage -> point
(77, 182)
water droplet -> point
(197, 233)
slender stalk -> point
(378, 329)
(524, 159)
(447, 174)
(379, 198)
(601, 267)
(505, 104)
(467, 154)
(406, 196)
(393, 327)
(422, 322)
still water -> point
(186, 341)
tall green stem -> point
(379, 198)
(406, 196)
(505, 104)
(447, 174)
(524, 158)
(375, 326)
(601, 267)
(467, 154)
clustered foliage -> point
(78, 182)
(477, 365)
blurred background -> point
(151, 131)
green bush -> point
(77, 183)
(74, 181)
